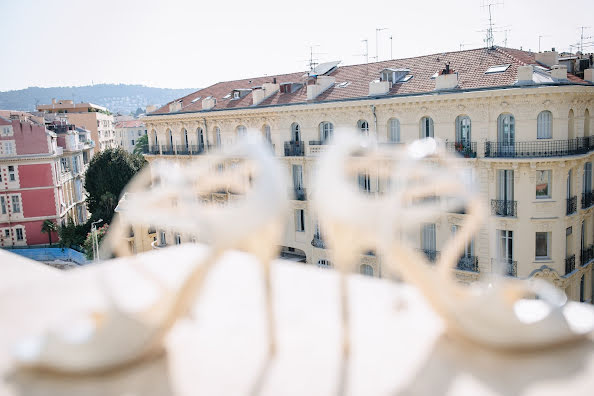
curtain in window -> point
(543, 125)
(426, 127)
(506, 134)
(297, 176)
(428, 237)
(505, 185)
(587, 184)
(463, 130)
(326, 131)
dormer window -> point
(235, 94)
(393, 75)
(289, 87)
(497, 69)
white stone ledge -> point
(398, 345)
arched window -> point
(363, 126)
(326, 131)
(570, 125)
(426, 127)
(186, 138)
(324, 263)
(266, 132)
(200, 138)
(366, 269)
(506, 131)
(394, 130)
(295, 132)
(463, 129)
(156, 140)
(218, 136)
(544, 125)
(587, 123)
(241, 130)
(170, 135)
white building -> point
(128, 132)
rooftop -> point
(130, 124)
(471, 66)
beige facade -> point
(127, 134)
(94, 118)
(524, 217)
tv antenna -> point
(539, 38)
(505, 39)
(391, 48)
(313, 61)
(366, 53)
(377, 30)
(582, 37)
(489, 38)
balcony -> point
(182, 149)
(468, 263)
(587, 199)
(571, 205)
(196, 149)
(294, 149)
(431, 254)
(299, 194)
(587, 255)
(536, 149)
(318, 242)
(569, 264)
(504, 208)
(466, 149)
(152, 150)
(505, 266)
(167, 150)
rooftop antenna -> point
(312, 60)
(540, 37)
(377, 30)
(489, 38)
(582, 37)
(505, 39)
(391, 48)
(366, 53)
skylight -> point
(227, 96)
(497, 69)
(406, 78)
(435, 75)
(196, 99)
(344, 84)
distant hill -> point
(118, 98)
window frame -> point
(427, 127)
(16, 204)
(299, 220)
(544, 125)
(541, 172)
(394, 129)
(547, 239)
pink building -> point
(41, 177)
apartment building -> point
(127, 133)
(94, 118)
(41, 176)
(517, 119)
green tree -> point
(141, 145)
(48, 227)
(106, 177)
(72, 235)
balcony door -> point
(463, 130)
(468, 246)
(505, 240)
(506, 133)
(200, 137)
(569, 187)
(428, 238)
(505, 185)
(186, 139)
(587, 182)
(568, 236)
(297, 177)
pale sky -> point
(195, 43)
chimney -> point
(447, 79)
(525, 74)
(559, 72)
(259, 94)
(379, 87)
(589, 75)
(322, 83)
(208, 103)
(547, 58)
(53, 101)
(175, 106)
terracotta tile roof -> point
(470, 65)
(4, 121)
(130, 124)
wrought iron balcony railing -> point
(317, 142)
(540, 148)
(464, 149)
(167, 150)
(571, 205)
(299, 194)
(153, 150)
(318, 242)
(587, 255)
(504, 208)
(294, 149)
(182, 149)
(587, 199)
(569, 264)
(196, 149)
(506, 266)
(431, 254)
(468, 263)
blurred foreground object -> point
(171, 196)
(426, 183)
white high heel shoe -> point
(114, 338)
(425, 183)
